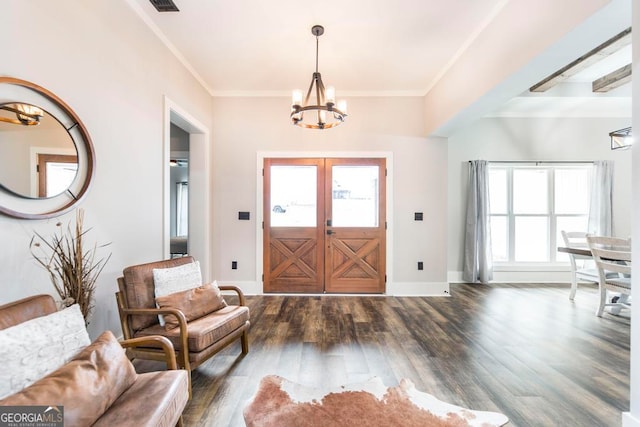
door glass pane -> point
(293, 196)
(498, 191)
(531, 239)
(59, 177)
(530, 191)
(354, 194)
(499, 238)
(572, 191)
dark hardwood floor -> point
(523, 350)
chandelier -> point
(325, 100)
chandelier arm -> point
(318, 97)
(306, 99)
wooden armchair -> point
(194, 341)
(613, 259)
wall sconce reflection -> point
(21, 114)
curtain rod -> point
(542, 161)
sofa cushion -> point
(167, 281)
(156, 399)
(138, 288)
(86, 386)
(205, 331)
(194, 303)
(32, 349)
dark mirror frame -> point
(25, 208)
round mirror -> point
(46, 155)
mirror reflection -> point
(38, 158)
(179, 192)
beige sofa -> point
(100, 381)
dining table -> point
(575, 250)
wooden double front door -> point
(324, 225)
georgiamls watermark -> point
(31, 416)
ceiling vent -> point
(164, 5)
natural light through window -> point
(530, 206)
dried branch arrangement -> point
(72, 269)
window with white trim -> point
(530, 206)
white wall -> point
(244, 127)
(532, 139)
(106, 64)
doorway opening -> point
(324, 225)
(187, 211)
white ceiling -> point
(370, 47)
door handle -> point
(329, 231)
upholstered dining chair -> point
(199, 323)
(612, 255)
(582, 268)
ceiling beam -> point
(605, 49)
(612, 80)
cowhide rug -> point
(282, 403)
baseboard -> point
(418, 289)
(395, 288)
(629, 420)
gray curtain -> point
(601, 207)
(478, 266)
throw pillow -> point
(37, 347)
(86, 386)
(175, 279)
(194, 303)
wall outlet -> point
(420, 265)
(234, 265)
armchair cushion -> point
(35, 348)
(86, 386)
(194, 303)
(205, 331)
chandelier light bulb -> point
(331, 95)
(342, 106)
(296, 98)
